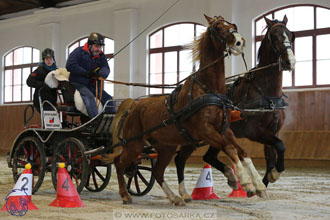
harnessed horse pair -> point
(196, 111)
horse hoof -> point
(249, 187)
(127, 201)
(178, 201)
(250, 194)
(262, 194)
(187, 200)
(273, 175)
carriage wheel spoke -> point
(31, 151)
(79, 160)
(62, 157)
(129, 182)
(137, 184)
(75, 152)
(26, 153)
(36, 155)
(76, 179)
(94, 180)
(69, 152)
(142, 178)
(88, 179)
(99, 174)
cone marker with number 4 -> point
(20, 197)
(67, 195)
(204, 186)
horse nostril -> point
(238, 43)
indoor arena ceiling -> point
(16, 8)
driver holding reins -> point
(87, 64)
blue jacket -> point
(80, 61)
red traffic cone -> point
(19, 199)
(237, 192)
(204, 186)
(67, 195)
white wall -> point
(122, 20)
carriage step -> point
(93, 150)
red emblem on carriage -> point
(51, 120)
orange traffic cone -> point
(18, 201)
(237, 192)
(67, 195)
(204, 186)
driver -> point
(85, 64)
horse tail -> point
(118, 121)
(116, 130)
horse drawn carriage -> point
(77, 143)
(197, 111)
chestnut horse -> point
(166, 121)
(261, 92)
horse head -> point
(281, 39)
(224, 34)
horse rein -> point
(167, 85)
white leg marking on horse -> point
(171, 196)
(183, 192)
(242, 175)
(256, 178)
(168, 191)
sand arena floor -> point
(298, 194)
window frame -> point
(21, 67)
(163, 50)
(303, 33)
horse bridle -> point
(213, 31)
(278, 52)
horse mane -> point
(196, 46)
(263, 45)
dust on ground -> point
(298, 194)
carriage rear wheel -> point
(98, 177)
(30, 150)
(71, 152)
(139, 179)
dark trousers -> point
(88, 96)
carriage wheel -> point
(98, 177)
(30, 150)
(70, 151)
(139, 179)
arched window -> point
(170, 59)
(311, 25)
(108, 50)
(18, 65)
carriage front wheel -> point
(139, 179)
(30, 150)
(71, 152)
